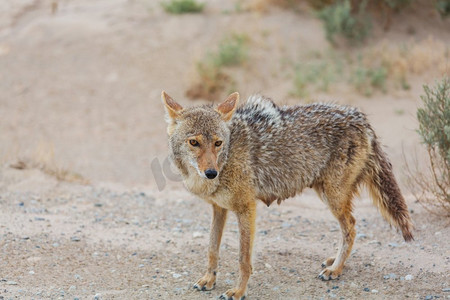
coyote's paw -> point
(329, 274)
(233, 294)
(328, 262)
(206, 283)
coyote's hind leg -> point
(340, 205)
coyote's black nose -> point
(211, 173)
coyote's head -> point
(199, 136)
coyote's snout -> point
(232, 156)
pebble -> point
(55, 245)
(197, 234)
(408, 277)
(176, 275)
(428, 297)
(286, 225)
(446, 289)
(374, 242)
(366, 289)
(31, 272)
(268, 266)
(72, 288)
(393, 245)
(10, 282)
(361, 236)
(374, 291)
(75, 239)
(98, 296)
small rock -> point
(408, 277)
(98, 296)
(10, 282)
(145, 286)
(366, 289)
(77, 276)
(141, 266)
(361, 236)
(268, 266)
(392, 276)
(393, 245)
(75, 239)
(26, 238)
(446, 290)
(374, 242)
(72, 289)
(428, 297)
(176, 275)
(374, 291)
(31, 272)
(286, 225)
(98, 204)
(55, 245)
(197, 234)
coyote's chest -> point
(209, 190)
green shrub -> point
(434, 129)
(397, 4)
(232, 51)
(182, 6)
(340, 20)
(443, 6)
(366, 79)
(434, 119)
(213, 80)
(315, 74)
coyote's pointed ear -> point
(227, 108)
(173, 109)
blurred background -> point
(80, 81)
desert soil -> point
(86, 211)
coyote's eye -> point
(194, 143)
(218, 143)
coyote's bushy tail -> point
(385, 191)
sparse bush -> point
(319, 75)
(182, 6)
(397, 4)
(340, 20)
(213, 80)
(232, 51)
(366, 79)
(434, 129)
(443, 6)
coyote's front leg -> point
(246, 221)
(208, 281)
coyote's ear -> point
(173, 109)
(227, 108)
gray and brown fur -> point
(272, 153)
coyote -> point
(231, 156)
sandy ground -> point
(79, 91)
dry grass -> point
(429, 56)
(428, 186)
(43, 159)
